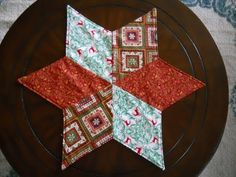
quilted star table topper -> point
(111, 85)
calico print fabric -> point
(159, 84)
(63, 82)
(112, 85)
(135, 45)
(87, 126)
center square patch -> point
(132, 60)
(73, 137)
(96, 121)
(132, 36)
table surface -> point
(31, 128)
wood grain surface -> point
(31, 128)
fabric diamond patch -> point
(89, 44)
(87, 126)
(63, 82)
(137, 126)
(160, 84)
(135, 45)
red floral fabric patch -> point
(63, 82)
(160, 84)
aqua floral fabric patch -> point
(89, 44)
(138, 126)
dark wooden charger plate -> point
(31, 127)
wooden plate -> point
(31, 128)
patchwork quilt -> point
(111, 85)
